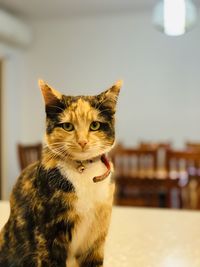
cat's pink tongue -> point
(100, 178)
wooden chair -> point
(181, 164)
(136, 178)
(185, 166)
(138, 163)
(163, 193)
(154, 145)
(194, 187)
(28, 154)
(192, 146)
(161, 149)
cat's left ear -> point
(110, 96)
(113, 92)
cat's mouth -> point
(88, 154)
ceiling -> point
(43, 9)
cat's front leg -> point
(92, 261)
(94, 257)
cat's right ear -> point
(51, 96)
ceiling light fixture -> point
(174, 17)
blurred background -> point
(83, 47)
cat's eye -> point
(67, 126)
(95, 125)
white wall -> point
(160, 98)
(11, 116)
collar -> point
(81, 165)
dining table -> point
(147, 237)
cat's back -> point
(26, 183)
(20, 226)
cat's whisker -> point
(60, 152)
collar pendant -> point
(81, 168)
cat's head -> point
(80, 127)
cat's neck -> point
(81, 165)
(51, 161)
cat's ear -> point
(51, 96)
(110, 96)
(113, 92)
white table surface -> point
(148, 237)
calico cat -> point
(61, 205)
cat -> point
(61, 205)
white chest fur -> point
(89, 195)
(87, 191)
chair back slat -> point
(192, 146)
(135, 162)
(182, 164)
(28, 154)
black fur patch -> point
(92, 263)
(52, 209)
(55, 109)
(51, 180)
(108, 129)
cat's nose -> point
(82, 143)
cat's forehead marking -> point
(80, 110)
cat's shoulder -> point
(27, 178)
